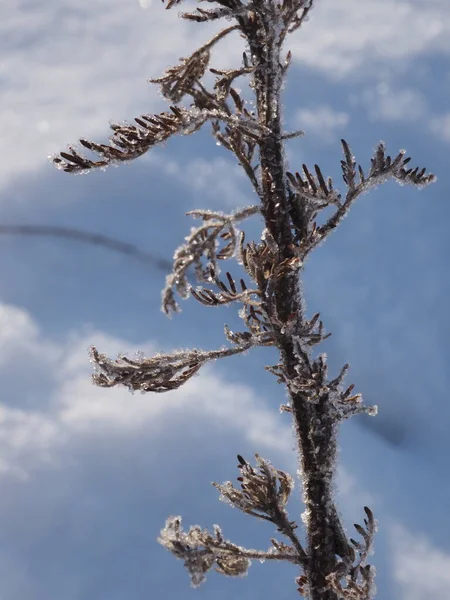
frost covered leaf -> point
(190, 547)
(233, 566)
(381, 164)
(237, 337)
(382, 168)
(201, 551)
(172, 3)
(130, 141)
(179, 81)
(264, 263)
(201, 15)
(264, 492)
(228, 293)
(202, 250)
(161, 373)
(354, 580)
(313, 188)
(348, 166)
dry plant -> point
(331, 564)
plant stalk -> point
(314, 423)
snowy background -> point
(89, 476)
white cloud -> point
(69, 70)
(75, 428)
(219, 180)
(440, 126)
(420, 569)
(27, 438)
(71, 406)
(387, 103)
(88, 475)
(321, 121)
(351, 37)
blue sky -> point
(88, 476)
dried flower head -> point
(264, 492)
(201, 551)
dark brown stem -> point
(314, 423)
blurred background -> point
(88, 476)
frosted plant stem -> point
(332, 566)
(316, 434)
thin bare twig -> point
(96, 239)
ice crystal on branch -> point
(353, 578)
(203, 246)
(263, 494)
(161, 373)
(310, 193)
(201, 551)
(179, 81)
(130, 141)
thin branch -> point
(129, 142)
(264, 495)
(383, 167)
(202, 243)
(178, 81)
(96, 239)
(201, 551)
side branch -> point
(130, 141)
(201, 551)
(310, 193)
(264, 495)
(383, 167)
(203, 243)
(178, 81)
(161, 373)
